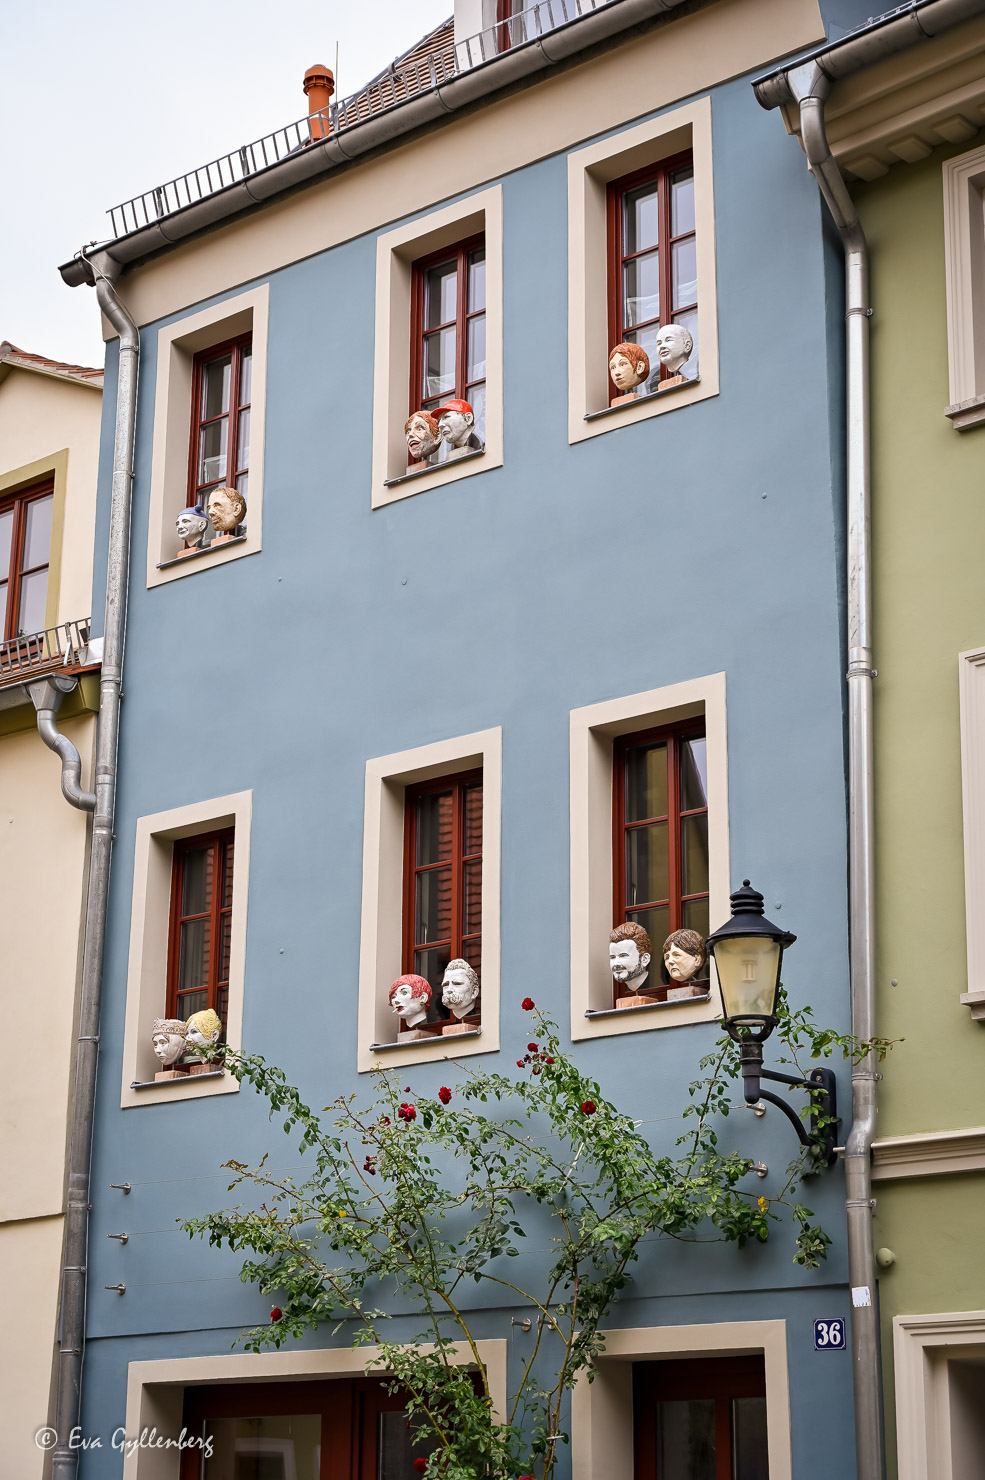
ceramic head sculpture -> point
(227, 510)
(191, 525)
(629, 955)
(628, 365)
(460, 988)
(410, 998)
(456, 420)
(203, 1028)
(169, 1040)
(684, 955)
(673, 346)
(422, 437)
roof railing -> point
(64, 646)
(387, 91)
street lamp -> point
(748, 951)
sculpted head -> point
(628, 365)
(629, 952)
(169, 1039)
(410, 998)
(460, 987)
(421, 435)
(684, 954)
(227, 509)
(673, 345)
(191, 524)
(455, 422)
(203, 1028)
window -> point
(448, 330)
(25, 550)
(660, 834)
(300, 1431)
(220, 437)
(964, 273)
(653, 263)
(201, 925)
(700, 1420)
(443, 876)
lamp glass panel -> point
(748, 966)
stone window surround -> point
(396, 252)
(971, 690)
(155, 1389)
(964, 273)
(589, 172)
(592, 732)
(149, 925)
(381, 932)
(602, 1411)
(177, 345)
(922, 1345)
(18, 480)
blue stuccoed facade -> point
(706, 540)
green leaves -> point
(407, 1211)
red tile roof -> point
(11, 355)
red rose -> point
(531, 1048)
(519, 1063)
(527, 1005)
(276, 1313)
(407, 1112)
(420, 1465)
(548, 1059)
(444, 1094)
(589, 1107)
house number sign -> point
(829, 1336)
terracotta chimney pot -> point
(319, 85)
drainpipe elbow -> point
(47, 696)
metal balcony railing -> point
(64, 646)
(387, 91)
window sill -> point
(425, 1043)
(621, 1012)
(452, 462)
(964, 415)
(186, 1079)
(651, 396)
(192, 555)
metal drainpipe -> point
(73, 1302)
(809, 87)
(47, 695)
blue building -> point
(581, 666)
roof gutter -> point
(331, 153)
(806, 85)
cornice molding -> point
(929, 1154)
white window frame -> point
(971, 690)
(593, 730)
(177, 345)
(922, 1345)
(396, 253)
(964, 277)
(381, 936)
(602, 1410)
(150, 919)
(589, 172)
(156, 1389)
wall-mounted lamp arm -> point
(820, 1084)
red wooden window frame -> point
(457, 784)
(459, 251)
(349, 1409)
(15, 573)
(674, 735)
(659, 175)
(718, 1378)
(217, 915)
(235, 349)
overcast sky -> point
(104, 99)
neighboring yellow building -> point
(49, 443)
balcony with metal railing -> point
(63, 649)
(420, 71)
